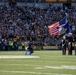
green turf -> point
(49, 63)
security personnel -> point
(70, 40)
(64, 45)
(11, 43)
(0, 45)
(23, 45)
(75, 43)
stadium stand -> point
(21, 23)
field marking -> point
(45, 67)
(57, 67)
(62, 67)
(41, 61)
(21, 65)
(17, 56)
(38, 73)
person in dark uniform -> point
(70, 40)
(29, 49)
(0, 45)
(75, 43)
(64, 45)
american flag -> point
(53, 29)
(56, 28)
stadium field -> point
(39, 63)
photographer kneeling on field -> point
(29, 49)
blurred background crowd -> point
(23, 23)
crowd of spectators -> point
(21, 23)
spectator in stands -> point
(32, 22)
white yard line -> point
(58, 67)
(38, 73)
(21, 65)
(62, 67)
(42, 61)
(44, 67)
(14, 56)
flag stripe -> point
(53, 29)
